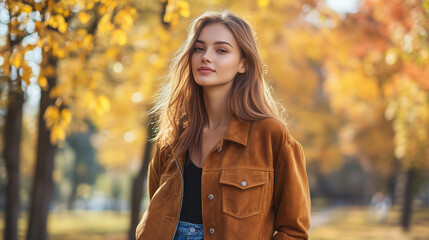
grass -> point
(89, 225)
(82, 225)
(345, 223)
(355, 223)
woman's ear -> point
(242, 67)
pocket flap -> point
(243, 179)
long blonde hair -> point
(179, 109)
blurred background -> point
(78, 76)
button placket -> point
(211, 196)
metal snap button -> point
(210, 197)
(219, 149)
(243, 183)
(192, 229)
(211, 231)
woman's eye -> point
(198, 49)
(222, 51)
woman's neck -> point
(216, 104)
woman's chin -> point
(205, 82)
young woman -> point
(225, 166)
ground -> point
(345, 223)
(356, 223)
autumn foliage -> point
(355, 85)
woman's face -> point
(216, 57)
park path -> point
(320, 218)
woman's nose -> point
(206, 57)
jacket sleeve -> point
(291, 193)
(154, 172)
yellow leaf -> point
(132, 11)
(26, 79)
(58, 8)
(184, 9)
(185, 12)
(27, 74)
(81, 32)
(263, 3)
(88, 42)
(15, 60)
(62, 25)
(38, 7)
(14, 8)
(102, 9)
(51, 116)
(89, 4)
(175, 20)
(65, 117)
(53, 22)
(26, 8)
(119, 37)
(167, 17)
(84, 17)
(88, 98)
(105, 25)
(112, 52)
(124, 19)
(57, 91)
(103, 103)
(57, 134)
(57, 51)
(66, 13)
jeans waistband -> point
(187, 230)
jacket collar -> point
(238, 131)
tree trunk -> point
(408, 200)
(12, 139)
(138, 184)
(138, 188)
(43, 183)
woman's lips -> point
(205, 70)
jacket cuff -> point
(283, 236)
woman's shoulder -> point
(273, 128)
(162, 150)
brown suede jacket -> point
(254, 186)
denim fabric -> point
(189, 231)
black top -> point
(191, 205)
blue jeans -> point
(189, 231)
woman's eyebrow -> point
(218, 42)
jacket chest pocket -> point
(242, 192)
